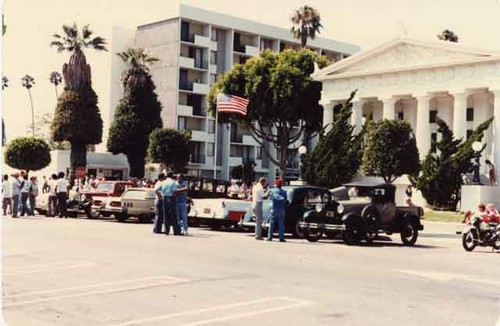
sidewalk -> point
(441, 229)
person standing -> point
(52, 207)
(25, 192)
(278, 198)
(234, 190)
(159, 214)
(16, 193)
(62, 194)
(259, 193)
(6, 195)
(168, 190)
(491, 173)
(409, 193)
(182, 201)
(33, 193)
(45, 186)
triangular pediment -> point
(403, 54)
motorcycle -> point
(479, 233)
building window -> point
(470, 114)
(215, 35)
(181, 125)
(213, 57)
(469, 133)
(259, 153)
(401, 115)
(211, 126)
(210, 149)
(432, 116)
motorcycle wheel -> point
(496, 242)
(468, 241)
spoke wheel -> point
(409, 234)
(468, 241)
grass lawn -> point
(436, 216)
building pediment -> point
(404, 54)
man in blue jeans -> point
(159, 216)
(169, 191)
(182, 199)
(278, 200)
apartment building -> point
(196, 47)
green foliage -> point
(441, 178)
(244, 172)
(170, 147)
(27, 153)
(336, 158)
(390, 150)
(306, 24)
(283, 99)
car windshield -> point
(104, 186)
(359, 193)
(138, 194)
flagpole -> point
(215, 140)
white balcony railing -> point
(186, 62)
(202, 41)
(185, 110)
(213, 69)
(200, 88)
(198, 135)
(251, 50)
(213, 45)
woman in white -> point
(259, 193)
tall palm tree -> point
(138, 61)
(5, 84)
(448, 35)
(55, 78)
(77, 72)
(306, 24)
(28, 83)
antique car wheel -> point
(121, 217)
(92, 214)
(468, 241)
(372, 221)
(312, 236)
(409, 234)
(350, 237)
(298, 231)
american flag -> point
(232, 104)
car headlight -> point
(340, 208)
(318, 208)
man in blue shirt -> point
(168, 191)
(278, 200)
(182, 200)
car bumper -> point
(110, 210)
(322, 226)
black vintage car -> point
(301, 199)
(365, 210)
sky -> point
(367, 23)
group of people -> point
(487, 213)
(19, 193)
(171, 204)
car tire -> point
(372, 222)
(298, 231)
(92, 214)
(313, 236)
(351, 237)
(121, 217)
(409, 234)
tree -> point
(5, 84)
(28, 83)
(170, 147)
(55, 78)
(27, 153)
(336, 158)
(448, 35)
(138, 112)
(390, 150)
(77, 118)
(445, 164)
(283, 101)
(42, 131)
(306, 24)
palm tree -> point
(306, 24)
(77, 72)
(28, 83)
(448, 35)
(5, 82)
(138, 61)
(55, 78)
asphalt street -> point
(100, 272)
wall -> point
(474, 195)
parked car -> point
(211, 205)
(134, 202)
(106, 193)
(359, 211)
(301, 199)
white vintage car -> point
(134, 202)
(217, 212)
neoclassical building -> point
(415, 81)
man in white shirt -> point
(259, 193)
(52, 209)
(6, 195)
(234, 190)
(16, 193)
(25, 192)
(62, 186)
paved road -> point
(84, 272)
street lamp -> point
(476, 147)
(302, 152)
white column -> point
(460, 114)
(357, 115)
(423, 132)
(327, 114)
(496, 131)
(388, 111)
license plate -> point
(206, 211)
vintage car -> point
(359, 211)
(301, 199)
(106, 193)
(134, 202)
(211, 205)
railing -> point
(201, 65)
(187, 86)
(187, 38)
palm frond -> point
(86, 32)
